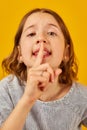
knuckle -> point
(46, 75)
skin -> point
(40, 31)
(42, 27)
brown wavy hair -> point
(11, 64)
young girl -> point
(41, 92)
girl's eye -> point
(31, 34)
(52, 33)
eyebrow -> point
(31, 26)
(54, 26)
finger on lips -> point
(39, 56)
(43, 67)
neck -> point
(54, 91)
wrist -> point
(27, 101)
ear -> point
(66, 54)
(20, 59)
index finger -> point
(39, 56)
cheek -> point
(26, 51)
(26, 45)
(59, 48)
(58, 53)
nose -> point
(41, 38)
(41, 41)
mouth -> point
(46, 53)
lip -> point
(46, 52)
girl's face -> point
(42, 28)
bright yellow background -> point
(73, 12)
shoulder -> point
(78, 97)
(9, 80)
(10, 84)
(11, 88)
(81, 90)
(81, 102)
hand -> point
(39, 76)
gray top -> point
(67, 113)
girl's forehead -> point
(41, 18)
